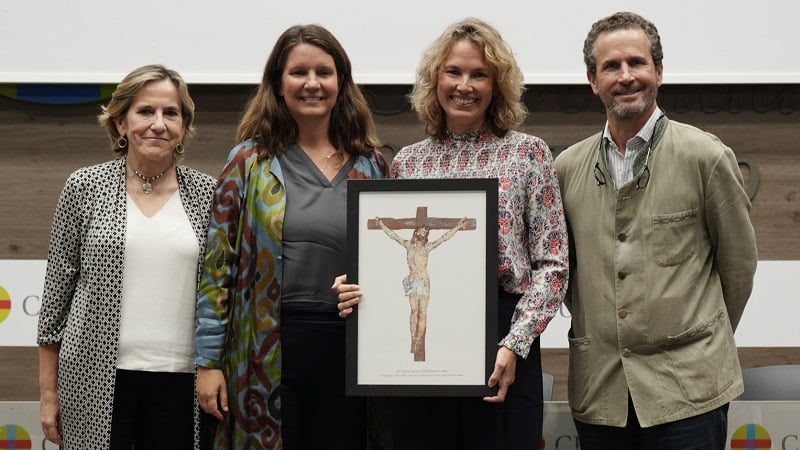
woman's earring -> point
(122, 142)
(180, 148)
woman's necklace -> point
(334, 154)
(337, 163)
(147, 187)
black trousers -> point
(153, 410)
(316, 414)
(444, 423)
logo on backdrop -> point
(5, 306)
(751, 437)
(14, 437)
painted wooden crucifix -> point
(417, 285)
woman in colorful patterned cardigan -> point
(269, 343)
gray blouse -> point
(314, 233)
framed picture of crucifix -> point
(424, 253)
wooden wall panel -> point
(40, 145)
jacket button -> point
(626, 352)
(622, 313)
(621, 275)
(622, 237)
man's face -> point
(627, 79)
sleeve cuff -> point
(207, 362)
(516, 345)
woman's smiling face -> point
(465, 87)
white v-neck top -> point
(158, 290)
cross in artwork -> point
(417, 285)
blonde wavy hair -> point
(505, 112)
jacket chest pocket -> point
(674, 237)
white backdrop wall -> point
(770, 319)
(98, 41)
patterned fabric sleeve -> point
(380, 162)
(547, 249)
(220, 266)
(371, 166)
(63, 260)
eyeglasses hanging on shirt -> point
(641, 181)
(644, 176)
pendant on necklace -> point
(147, 187)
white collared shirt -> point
(621, 165)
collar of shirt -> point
(621, 165)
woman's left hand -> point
(505, 368)
(349, 295)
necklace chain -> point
(336, 165)
(147, 186)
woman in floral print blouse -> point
(468, 94)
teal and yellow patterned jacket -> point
(238, 303)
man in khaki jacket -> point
(662, 262)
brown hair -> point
(268, 119)
(621, 21)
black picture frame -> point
(454, 354)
